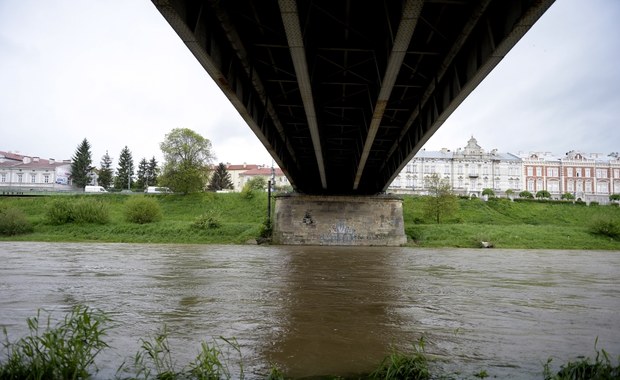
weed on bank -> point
(67, 350)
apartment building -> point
(469, 171)
(588, 177)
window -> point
(588, 186)
(409, 182)
(409, 168)
(569, 172)
(553, 186)
(446, 169)
(460, 169)
(33, 178)
(530, 171)
(570, 186)
(538, 171)
(588, 172)
(602, 188)
(2, 177)
(539, 184)
(46, 178)
(530, 185)
(552, 172)
(601, 173)
(20, 177)
(616, 173)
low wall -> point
(338, 220)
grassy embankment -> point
(506, 224)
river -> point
(327, 310)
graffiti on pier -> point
(339, 233)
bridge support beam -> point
(338, 220)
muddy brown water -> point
(327, 310)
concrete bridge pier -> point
(339, 220)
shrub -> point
(13, 222)
(594, 203)
(543, 194)
(90, 211)
(489, 192)
(605, 226)
(60, 211)
(207, 221)
(63, 211)
(142, 210)
(525, 194)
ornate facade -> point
(469, 171)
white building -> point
(19, 173)
(469, 171)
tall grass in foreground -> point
(67, 350)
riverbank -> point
(239, 219)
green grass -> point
(506, 224)
(520, 224)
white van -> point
(94, 189)
(157, 190)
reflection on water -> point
(328, 310)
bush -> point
(526, 194)
(605, 226)
(142, 210)
(90, 211)
(207, 221)
(60, 212)
(13, 222)
(63, 211)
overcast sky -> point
(114, 72)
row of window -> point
(572, 186)
(4, 178)
(571, 172)
(471, 170)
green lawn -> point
(506, 224)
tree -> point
(526, 194)
(568, 196)
(152, 172)
(489, 192)
(124, 171)
(440, 203)
(105, 171)
(253, 185)
(543, 194)
(80, 165)
(187, 156)
(142, 173)
(220, 179)
(509, 193)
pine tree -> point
(124, 172)
(80, 165)
(152, 172)
(220, 179)
(105, 171)
(142, 174)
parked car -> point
(157, 190)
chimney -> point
(35, 159)
(52, 161)
(26, 160)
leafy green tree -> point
(220, 179)
(488, 192)
(441, 202)
(568, 196)
(526, 194)
(81, 165)
(187, 156)
(543, 194)
(509, 192)
(124, 171)
(253, 185)
(105, 171)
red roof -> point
(263, 171)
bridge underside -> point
(344, 93)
